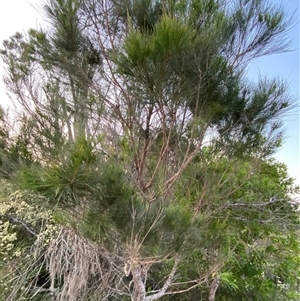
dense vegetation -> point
(139, 162)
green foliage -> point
(87, 186)
(66, 182)
(157, 52)
(242, 223)
(181, 187)
(177, 223)
(64, 16)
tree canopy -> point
(140, 162)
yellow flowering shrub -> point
(24, 225)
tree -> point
(152, 149)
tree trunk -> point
(139, 292)
(213, 289)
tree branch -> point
(17, 221)
(167, 284)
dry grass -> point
(71, 261)
(74, 265)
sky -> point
(286, 66)
(20, 15)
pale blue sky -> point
(18, 15)
(286, 66)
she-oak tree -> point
(141, 133)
